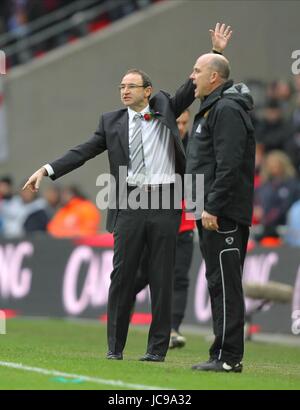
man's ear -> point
(148, 91)
(213, 77)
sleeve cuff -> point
(49, 170)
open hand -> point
(220, 36)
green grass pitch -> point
(41, 348)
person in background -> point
(22, 213)
(52, 196)
(281, 91)
(292, 147)
(278, 191)
(77, 217)
(11, 209)
(274, 130)
(35, 216)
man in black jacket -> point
(222, 147)
(144, 138)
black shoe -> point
(215, 365)
(114, 356)
(148, 357)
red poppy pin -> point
(148, 116)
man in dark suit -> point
(144, 138)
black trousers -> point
(183, 259)
(184, 254)
(135, 229)
(224, 253)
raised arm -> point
(220, 37)
(184, 96)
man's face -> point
(183, 123)
(5, 189)
(202, 78)
(133, 93)
(27, 195)
(66, 196)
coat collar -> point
(212, 98)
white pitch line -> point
(118, 383)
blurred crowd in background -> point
(68, 20)
(63, 212)
(16, 14)
(66, 212)
(276, 120)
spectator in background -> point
(183, 127)
(273, 131)
(52, 195)
(292, 148)
(17, 19)
(259, 157)
(11, 209)
(281, 91)
(17, 26)
(292, 236)
(279, 190)
(20, 214)
(35, 216)
(127, 7)
(296, 102)
(77, 217)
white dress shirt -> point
(159, 150)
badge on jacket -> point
(198, 130)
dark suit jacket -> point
(112, 135)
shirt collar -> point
(132, 113)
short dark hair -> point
(145, 77)
(273, 103)
(75, 190)
(7, 179)
(221, 66)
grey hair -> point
(221, 66)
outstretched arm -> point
(73, 159)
